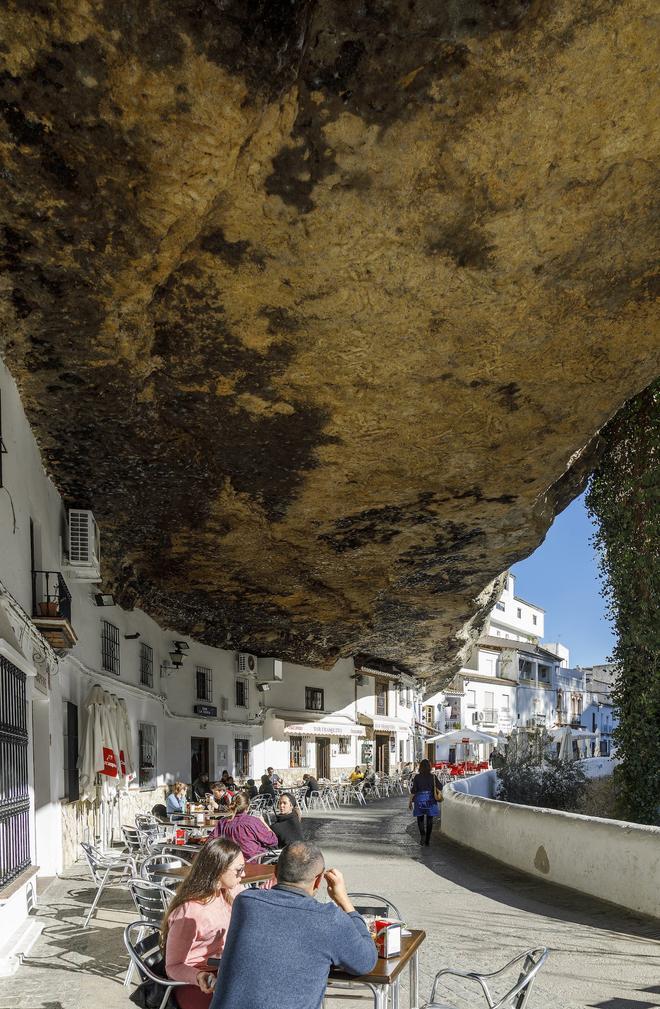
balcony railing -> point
(50, 595)
(490, 716)
(51, 609)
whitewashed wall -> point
(610, 859)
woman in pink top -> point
(249, 832)
(197, 919)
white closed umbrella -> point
(565, 739)
(125, 742)
(90, 757)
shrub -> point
(555, 784)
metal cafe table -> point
(386, 975)
(254, 873)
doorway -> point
(199, 756)
(322, 758)
(382, 753)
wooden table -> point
(254, 873)
(386, 975)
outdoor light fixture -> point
(178, 655)
(132, 637)
(104, 599)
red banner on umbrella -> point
(109, 762)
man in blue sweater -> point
(281, 943)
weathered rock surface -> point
(317, 304)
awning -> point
(323, 729)
(383, 723)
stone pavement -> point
(477, 914)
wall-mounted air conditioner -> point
(247, 664)
(83, 545)
(270, 669)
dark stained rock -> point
(319, 305)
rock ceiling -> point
(319, 305)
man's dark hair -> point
(300, 862)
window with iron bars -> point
(241, 692)
(109, 647)
(146, 665)
(313, 699)
(344, 744)
(204, 682)
(297, 752)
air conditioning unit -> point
(270, 669)
(84, 545)
(247, 664)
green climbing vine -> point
(624, 499)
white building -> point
(508, 680)
(190, 707)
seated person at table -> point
(249, 832)
(312, 785)
(200, 787)
(282, 943)
(197, 919)
(287, 824)
(221, 797)
(177, 798)
(356, 775)
(251, 789)
(160, 812)
(267, 787)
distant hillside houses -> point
(513, 678)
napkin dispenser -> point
(388, 937)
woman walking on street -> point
(423, 800)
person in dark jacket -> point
(423, 801)
(287, 826)
(312, 785)
(281, 943)
(251, 789)
(267, 787)
(201, 787)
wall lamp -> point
(104, 599)
(179, 653)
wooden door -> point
(382, 753)
(322, 758)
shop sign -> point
(206, 710)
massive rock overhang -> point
(319, 306)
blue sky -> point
(562, 577)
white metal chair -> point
(154, 868)
(143, 942)
(528, 965)
(151, 900)
(269, 857)
(373, 903)
(107, 870)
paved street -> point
(477, 915)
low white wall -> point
(483, 784)
(610, 859)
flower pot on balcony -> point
(49, 609)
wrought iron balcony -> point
(51, 608)
(490, 716)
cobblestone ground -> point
(477, 914)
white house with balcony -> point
(190, 707)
